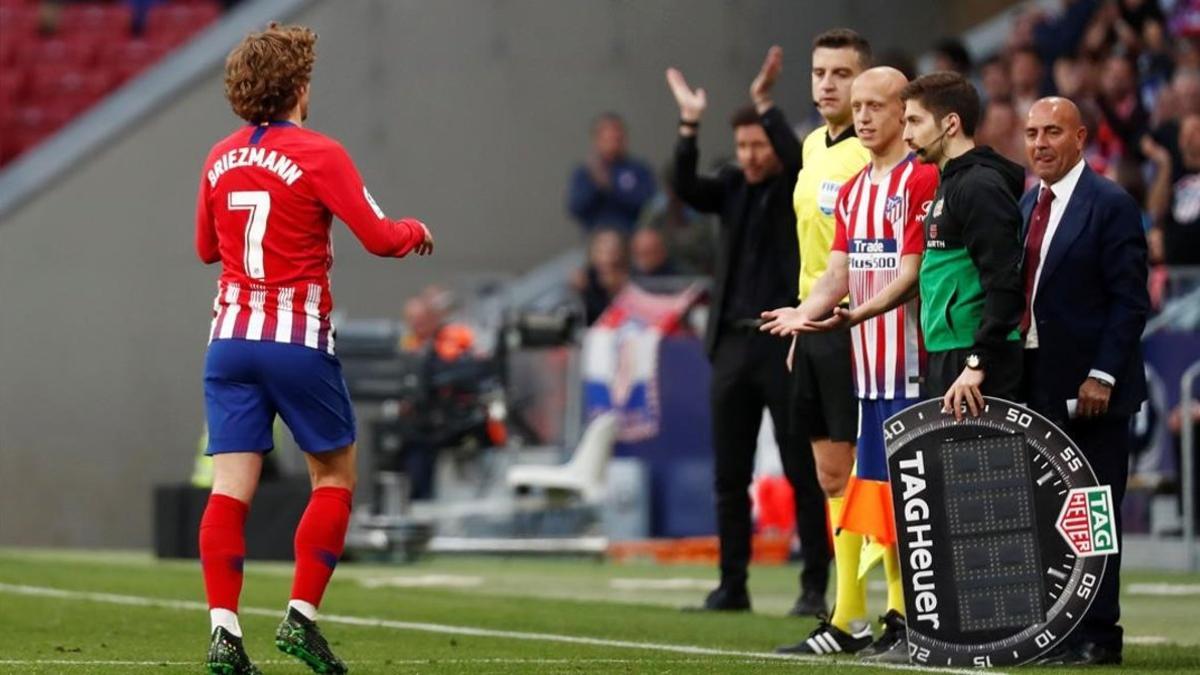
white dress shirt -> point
(1063, 189)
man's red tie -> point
(1033, 249)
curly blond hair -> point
(265, 72)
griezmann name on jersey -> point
(879, 220)
(267, 198)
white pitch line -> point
(445, 629)
(1148, 640)
(672, 584)
(1163, 589)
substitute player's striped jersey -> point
(880, 219)
(268, 195)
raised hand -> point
(691, 103)
(760, 88)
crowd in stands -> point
(1132, 67)
(60, 57)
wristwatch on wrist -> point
(974, 362)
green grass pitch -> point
(77, 612)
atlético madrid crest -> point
(894, 209)
(1002, 533)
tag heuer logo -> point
(1087, 522)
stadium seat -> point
(584, 474)
(77, 50)
(17, 20)
(180, 18)
(96, 19)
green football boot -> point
(226, 656)
(300, 637)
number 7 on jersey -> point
(258, 203)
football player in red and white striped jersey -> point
(876, 256)
(268, 194)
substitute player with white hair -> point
(268, 193)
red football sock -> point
(319, 541)
(223, 550)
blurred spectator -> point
(1174, 200)
(1025, 71)
(690, 236)
(951, 54)
(1121, 105)
(606, 273)
(428, 329)
(1071, 79)
(438, 342)
(994, 79)
(649, 255)
(899, 59)
(1000, 128)
(610, 188)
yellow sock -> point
(851, 603)
(891, 569)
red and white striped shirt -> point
(267, 199)
(880, 219)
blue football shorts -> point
(871, 451)
(248, 382)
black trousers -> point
(1106, 444)
(749, 372)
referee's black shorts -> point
(823, 401)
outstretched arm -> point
(339, 186)
(824, 297)
(899, 291)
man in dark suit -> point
(1086, 304)
(757, 264)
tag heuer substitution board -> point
(1002, 532)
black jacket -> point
(726, 194)
(972, 292)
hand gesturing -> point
(760, 88)
(691, 103)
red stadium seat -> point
(14, 47)
(78, 50)
(18, 20)
(133, 50)
(166, 40)
(181, 18)
(48, 79)
(96, 19)
(12, 84)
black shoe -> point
(810, 603)
(892, 646)
(1082, 654)
(299, 637)
(724, 599)
(226, 656)
(829, 639)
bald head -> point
(1054, 137)
(884, 79)
(878, 110)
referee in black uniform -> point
(757, 263)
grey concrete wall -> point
(466, 113)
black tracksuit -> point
(757, 269)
